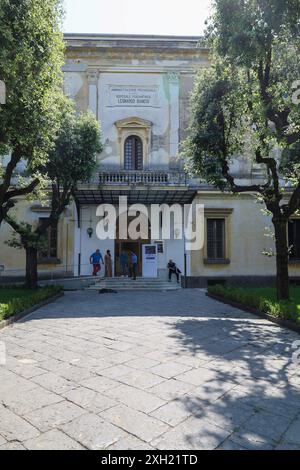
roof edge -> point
(142, 37)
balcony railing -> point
(148, 177)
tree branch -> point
(14, 160)
(60, 199)
(22, 191)
(235, 188)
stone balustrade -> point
(148, 177)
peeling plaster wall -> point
(91, 74)
(158, 113)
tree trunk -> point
(31, 268)
(282, 259)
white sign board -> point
(131, 95)
(149, 260)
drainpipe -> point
(184, 248)
(79, 254)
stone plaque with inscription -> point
(136, 96)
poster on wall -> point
(160, 246)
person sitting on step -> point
(173, 269)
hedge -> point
(27, 300)
(262, 299)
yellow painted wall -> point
(246, 239)
(13, 259)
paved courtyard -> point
(149, 370)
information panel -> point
(149, 260)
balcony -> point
(143, 178)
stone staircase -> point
(140, 284)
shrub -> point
(29, 298)
(263, 299)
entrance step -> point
(128, 284)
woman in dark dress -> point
(108, 264)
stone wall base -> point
(202, 282)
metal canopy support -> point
(87, 197)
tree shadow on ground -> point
(246, 383)
(244, 390)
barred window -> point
(215, 239)
(133, 153)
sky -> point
(163, 17)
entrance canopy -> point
(135, 196)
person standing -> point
(108, 264)
(134, 260)
(95, 259)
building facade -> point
(139, 89)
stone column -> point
(92, 77)
(174, 82)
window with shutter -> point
(294, 238)
(215, 239)
(133, 153)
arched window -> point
(133, 153)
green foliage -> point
(263, 38)
(26, 236)
(15, 299)
(243, 29)
(263, 299)
(251, 84)
(290, 163)
(70, 161)
(31, 56)
(219, 124)
(73, 157)
(245, 106)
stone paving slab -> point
(194, 434)
(52, 416)
(15, 428)
(52, 440)
(23, 402)
(93, 432)
(90, 400)
(175, 370)
(139, 400)
(12, 446)
(134, 422)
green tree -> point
(71, 160)
(31, 56)
(245, 103)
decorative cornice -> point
(135, 122)
(134, 37)
(74, 40)
(218, 211)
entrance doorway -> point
(123, 252)
(123, 249)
